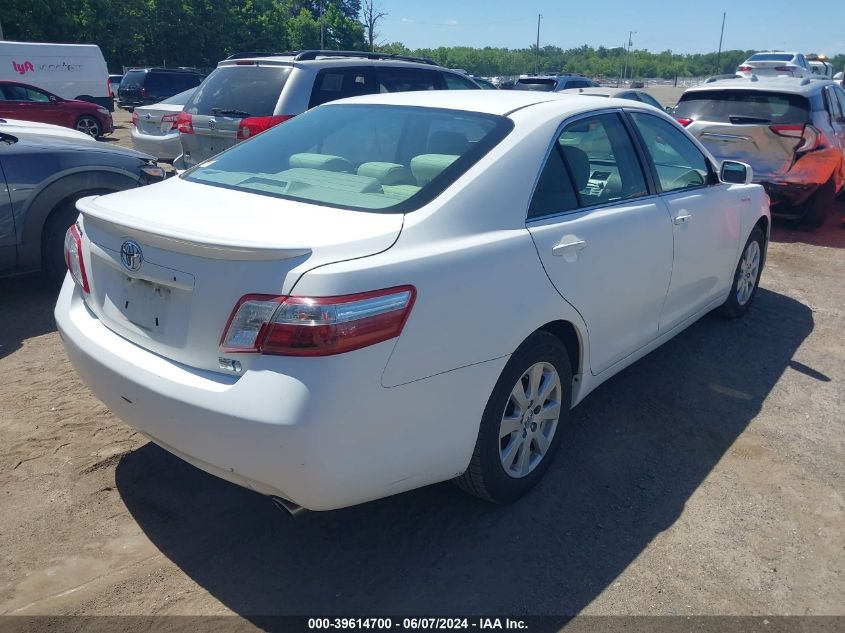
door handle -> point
(569, 247)
(682, 218)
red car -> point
(22, 101)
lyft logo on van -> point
(23, 68)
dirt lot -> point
(708, 478)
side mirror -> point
(669, 109)
(54, 99)
(736, 173)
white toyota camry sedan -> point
(400, 289)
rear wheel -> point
(746, 277)
(820, 205)
(89, 125)
(520, 428)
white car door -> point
(705, 215)
(605, 242)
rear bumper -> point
(803, 178)
(324, 436)
(162, 147)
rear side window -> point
(539, 85)
(592, 162)
(253, 90)
(743, 107)
(337, 83)
(361, 157)
(405, 79)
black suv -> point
(143, 86)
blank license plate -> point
(145, 303)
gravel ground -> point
(707, 478)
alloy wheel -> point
(749, 269)
(530, 419)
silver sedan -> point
(154, 127)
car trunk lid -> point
(168, 263)
(150, 119)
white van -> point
(72, 71)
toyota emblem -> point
(131, 255)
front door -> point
(605, 243)
(705, 216)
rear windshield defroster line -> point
(361, 157)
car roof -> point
(552, 77)
(331, 62)
(794, 54)
(792, 85)
(599, 91)
(500, 103)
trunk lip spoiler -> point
(170, 238)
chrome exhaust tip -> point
(288, 506)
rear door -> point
(757, 127)
(605, 242)
(705, 215)
(226, 97)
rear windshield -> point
(543, 85)
(743, 106)
(181, 98)
(770, 57)
(133, 77)
(363, 157)
(249, 90)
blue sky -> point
(683, 27)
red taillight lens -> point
(134, 119)
(108, 87)
(253, 125)
(73, 257)
(810, 138)
(317, 326)
(744, 69)
(683, 121)
(185, 123)
(170, 118)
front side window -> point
(678, 162)
(592, 162)
(15, 92)
(338, 83)
(361, 157)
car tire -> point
(820, 205)
(517, 442)
(89, 125)
(746, 277)
(53, 244)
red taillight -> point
(253, 125)
(316, 326)
(683, 121)
(170, 118)
(185, 123)
(810, 138)
(745, 69)
(134, 119)
(108, 87)
(73, 257)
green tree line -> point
(202, 32)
